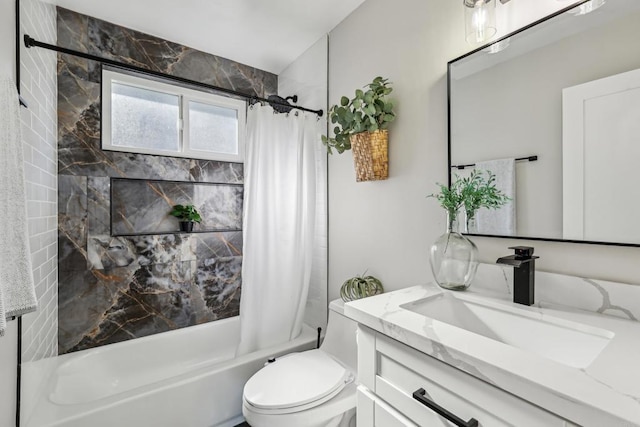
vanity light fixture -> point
(479, 20)
(587, 7)
(498, 46)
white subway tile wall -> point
(39, 127)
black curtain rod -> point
(22, 101)
(30, 42)
(519, 159)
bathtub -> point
(183, 378)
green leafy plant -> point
(480, 192)
(368, 111)
(186, 213)
(473, 192)
(360, 287)
(450, 198)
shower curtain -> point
(285, 176)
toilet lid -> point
(296, 380)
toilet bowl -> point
(314, 388)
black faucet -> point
(524, 270)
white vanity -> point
(483, 358)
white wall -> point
(307, 78)
(388, 226)
(39, 132)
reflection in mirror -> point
(564, 92)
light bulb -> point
(479, 20)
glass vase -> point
(471, 226)
(453, 258)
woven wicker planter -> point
(371, 155)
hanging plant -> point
(370, 110)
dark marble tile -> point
(99, 202)
(72, 222)
(141, 166)
(105, 252)
(75, 93)
(157, 299)
(139, 206)
(216, 245)
(72, 29)
(219, 281)
(79, 150)
(216, 172)
(71, 256)
(220, 206)
(132, 47)
(84, 296)
(165, 248)
(222, 72)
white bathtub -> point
(187, 377)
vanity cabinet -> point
(394, 378)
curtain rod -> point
(30, 42)
(519, 159)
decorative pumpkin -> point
(360, 287)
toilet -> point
(314, 388)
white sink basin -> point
(570, 343)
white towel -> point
(17, 293)
(501, 221)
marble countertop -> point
(605, 393)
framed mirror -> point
(553, 110)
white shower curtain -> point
(285, 166)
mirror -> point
(561, 96)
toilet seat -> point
(295, 383)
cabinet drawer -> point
(401, 370)
(373, 412)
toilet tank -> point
(340, 337)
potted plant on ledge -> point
(361, 124)
(187, 215)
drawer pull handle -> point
(419, 395)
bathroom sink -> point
(570, 343)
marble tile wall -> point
(119, 287)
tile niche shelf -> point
(141, 207)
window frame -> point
(185, 95)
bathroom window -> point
(141, 115)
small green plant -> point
(186, 213)
(471, 193)
(368, 111)
(480, 192)
(360, 287)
